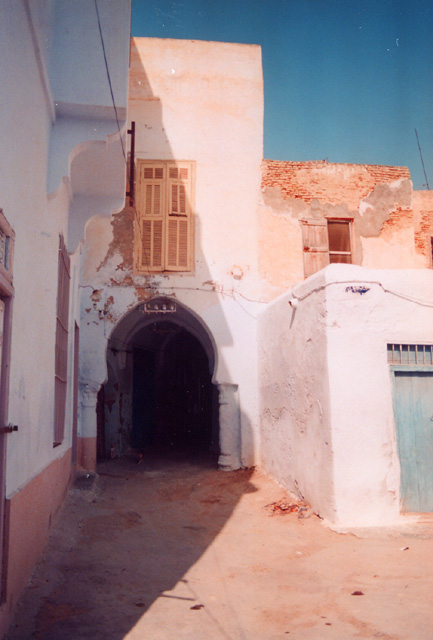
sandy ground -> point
(176, 550)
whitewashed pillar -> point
(88, 400)
(87, 435)
(230, 428)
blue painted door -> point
(413, 410)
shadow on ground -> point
(123, 542)
(177, 550)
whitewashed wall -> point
(295, 414)
(327, 424)
(50, 53)
(201, 102)
(25, 124)
(397, 308)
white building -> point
(188, 339)
(346, 375)
(192, 239)
(187, 323)
(61, 162)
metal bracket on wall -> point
(9, 428)
(131, 180)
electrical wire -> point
(238, 293)
(376, 282)
(109, 80)
(224, 293)
(233, 292)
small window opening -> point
(339, 241)
(418, 354)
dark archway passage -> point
(172, 400)
(159, 395)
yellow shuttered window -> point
(163, 234)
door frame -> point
(404, 368)
(74, 453)
(7, 296)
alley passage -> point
(171, 549)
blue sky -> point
(346, 80)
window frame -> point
(6, 266)
(168, 231)
(62, 342)
(315, 239)
(341, 253)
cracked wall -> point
(222, 135)
(423, 221)
(391, 223)
(326, 403)
(296, 438)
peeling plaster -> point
(382, 213)
(293, 207)
(378, 205)
(122, 242)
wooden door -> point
(413, 411)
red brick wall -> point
(328, 182)
(423, 223)
(400, 218)
(424, 233)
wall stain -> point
(122, 242)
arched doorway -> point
(159, 393)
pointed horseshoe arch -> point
(159, 392)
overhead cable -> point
(109, 79)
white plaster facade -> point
(56, 116)
(292, 382)
(327, 418)
(303, 390)
(200, 102)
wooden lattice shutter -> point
(178, 235)
(150, 205)
(61, 354)
(315, 242)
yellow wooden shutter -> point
(315, 239)
(150, 205)
(178, 233)
(151, 244)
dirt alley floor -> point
(174, 550)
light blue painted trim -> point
(405, 493)
(416, 368)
